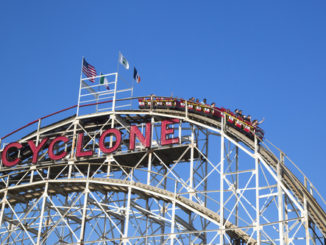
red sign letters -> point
(166, 139)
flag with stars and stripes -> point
(89, 70)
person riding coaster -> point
(235, 120)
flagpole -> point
(98, 91)
(80, 84)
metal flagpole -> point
(80, 84)
(98, 91)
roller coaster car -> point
(198, 108)
(247, 127)
(239, 123)
(213, 112)
(141, 103)
(191, 106)
(259, 132)
(144, 103)
(158, 103)
(217, 112)
(230, 118)
(180, 104)
(168, 103)
(207, 109)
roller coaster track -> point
(316, 214)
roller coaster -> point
(159, 172)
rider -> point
(256, 123)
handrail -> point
(303, 176)
(50, 115)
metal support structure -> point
(45, 196)
(4, 202)
(150, 155)
(83, 224)
(222, 227)
(127, 214)
(280, 200)
(257, 220)
(191, 173)
(236, 222)
(216, 186)
(306, 216)
(172, 236)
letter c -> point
(5, 160)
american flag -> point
(89, 70)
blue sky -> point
(265, 57)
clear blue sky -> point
(265, 57)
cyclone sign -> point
(49, 145)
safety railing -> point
(53, 117)
(296, 171)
